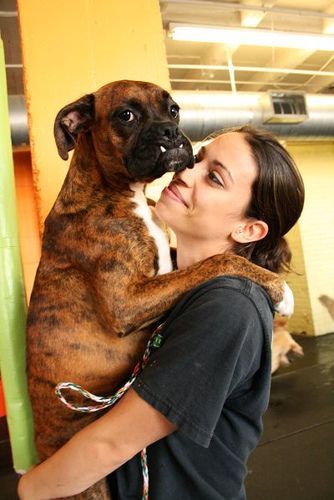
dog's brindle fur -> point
(98, 277)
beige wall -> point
(313, 241)
(302, 319)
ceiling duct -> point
(205, 112)
(284, 107)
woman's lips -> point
(175, 194)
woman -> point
(199, 402)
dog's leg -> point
(152, 297)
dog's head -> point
(133, 126)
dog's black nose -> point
(169, 131)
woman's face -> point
(208, 202)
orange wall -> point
(71, 48)
(27, 217)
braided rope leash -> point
(107, 401)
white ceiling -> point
(282, 15)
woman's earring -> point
(195, 159)
(240, 230)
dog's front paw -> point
(287, 305)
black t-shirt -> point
(211, 378)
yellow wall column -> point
(312, 241)
(302, 319)
(71, 48)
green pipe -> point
(12, 301)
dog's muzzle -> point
(175, 158)
(160, 148)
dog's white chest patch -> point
(143, 211)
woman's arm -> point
(97, 450)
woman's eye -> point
(216, 179)
(127, 116)
(174, 111)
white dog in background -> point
(328, 302)
(283, 344)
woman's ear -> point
(251, 230)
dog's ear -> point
(70, 121)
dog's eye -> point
(127, 116)
(174, 110)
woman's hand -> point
(21, 491)
(23, 487)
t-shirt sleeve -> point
(212, 342)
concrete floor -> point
(295, 459)
(8, 478)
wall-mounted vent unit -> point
(284, 107)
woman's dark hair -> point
(277, 199)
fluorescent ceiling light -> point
(258, 37)
(328, 26)
(251, 18)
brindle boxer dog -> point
(103, 258)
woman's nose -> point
(189, 175)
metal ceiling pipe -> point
(239, 7)
(204, 112)
(18, 120)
